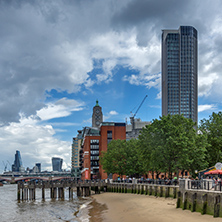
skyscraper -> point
(179, 72)
(57, 164)
(17, 162)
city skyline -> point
(58, 58)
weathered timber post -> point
(204, 204)
(78, 191)
(55, 192)
(155, 190)
(185, 201)
(43, 190)
(34, 190)
(174, 192)
(146, 189)
(18, 191)
(138, 188)
(142, 189)
(161, 191)
(22, 191)
(70, 193)
(52, 190)
(150, 190)
(194, 202)
(178, 199)
(30, 194)
(25, 193)
(167, 192)
(126, 188)
(62, 193)
(217, 206)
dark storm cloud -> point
(49, 44)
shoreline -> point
(114, 207)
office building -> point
(17, 166)
(57, 164)
(76, 148)
(38, 165)
(179, 72)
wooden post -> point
(43, 190)
(18, 191)
(34, 190)
(22, 191)
(30, 194)
(55, 192)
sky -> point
(58, 57)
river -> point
(41, 211)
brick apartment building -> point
(95, 141)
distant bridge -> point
(26, 178)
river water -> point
(12, 210)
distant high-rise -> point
(179, 72)
(57, 164)
(38, 165)
(17, 162)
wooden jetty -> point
(27, 190)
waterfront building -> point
(110, 131)
(95, 141)
(57, 164)
(97, 116)
(76, 147)
(179, 72)
(90, 153)
(17, 166)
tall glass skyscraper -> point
(17, 162)
(179, 72)
(57, 164)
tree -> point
(212, 128)
(114, 159)
(171, 144)
(134, 162)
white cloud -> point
(35, 142)
(113, 112)
(205, 107)
(61, 108)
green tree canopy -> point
(172, 144)
(114, 160)
(212, 128)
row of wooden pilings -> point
(147, 189)
(27, 190)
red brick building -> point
(94, 142)
(110, 131)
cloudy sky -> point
(58, 57)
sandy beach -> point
(117, 207)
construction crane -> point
(5, 166)
(10, 165)
(132, 120)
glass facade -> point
(17, 162)
(57, 164)
(179, 72)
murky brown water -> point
(40, 211)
